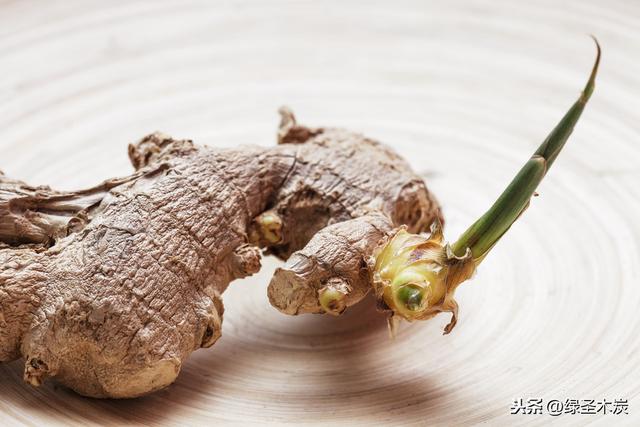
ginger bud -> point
(333, 296)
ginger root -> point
(108, 290)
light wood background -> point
(464, 90)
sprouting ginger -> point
(108, 290)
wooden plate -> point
(465, 91)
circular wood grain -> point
(465, 91)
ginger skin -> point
(108, 290)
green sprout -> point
(416, 275)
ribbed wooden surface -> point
(466, 91)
